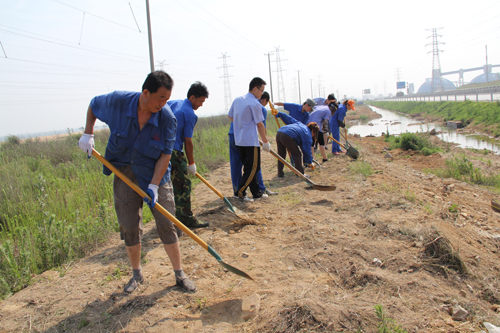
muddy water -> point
(396, 124)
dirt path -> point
(320, 260)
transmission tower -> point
(294, 91)
(279, 70)
(437, 82)
(225, 77)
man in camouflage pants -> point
(181, 168)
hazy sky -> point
(58, 54)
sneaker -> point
(246, 199)
(197, 224)
(133, 284)
(186, 284)
(325, 160)
(336, 153)
(271, 192)
(307, 176)
(281, 177)
(263, 196)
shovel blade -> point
(352, 153)
(324, 188)
(234, 270)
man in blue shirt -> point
(247, 118)
(140, 145)
(235, 159)
(320, 114)
(324, 126)
(297, 111)
(186, 120)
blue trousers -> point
(237, 166)
(334, 130)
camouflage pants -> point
(182, 188)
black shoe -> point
(270, 192)
(186, 284)
(198, 224)
(133, 284)
(325, 160)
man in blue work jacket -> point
(140, 145)
(183, 110)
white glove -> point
(266, 147)
(192, 169)
(152, 191)
(86, 143)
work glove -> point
(341, 123)
(86, 143)
(192, 169)
(266, 147)
(152, 191)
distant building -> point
(482, 78)
(425, 88)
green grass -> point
(386, 324)
(461, 168)
(361, 167)
(413, 141)
(56, 205)
(477, 113)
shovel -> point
(298, 173)
(231, 208)
(170, 216)
(350, 151)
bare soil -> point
(403, 238)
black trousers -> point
(250, 157)
(284, 143)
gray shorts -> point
(128, 206)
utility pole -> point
(150, 38)
(436, 65)
(487, 69)
(225, 77)
(298, 74)
(270, 76)
(279, 70)
(312, 95)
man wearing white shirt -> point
(247, 118)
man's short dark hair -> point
(256, 82)
(265, 96)
(331, 97)
(198, 89)
(156, 80)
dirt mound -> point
(402, 238)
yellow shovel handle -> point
(210, 185)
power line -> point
(100, 17)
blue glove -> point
(152, 191)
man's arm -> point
(262, 131)
(160, 168)
(188, 147)
(90, 123)
(279, 104)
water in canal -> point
(397, 124)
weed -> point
(428, 208)
(361, 167)
(83, 322)
(453, 208)
(410, 195)
(386, 324)
(363, 118)
(202, 302)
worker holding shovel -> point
(181, 168)
(295, 137)
(247, 118)
(336, 121)
(235, 158)
(140, 145)
(299, 112)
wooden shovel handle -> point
(210, 185)
(143, 194)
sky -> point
(56, 55)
